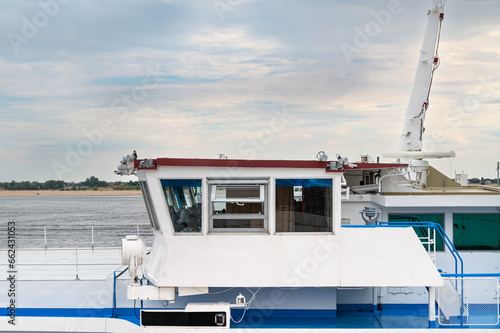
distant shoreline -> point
(71, 193)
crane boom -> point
(411, 139)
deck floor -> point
(345, 319)
(99, 264)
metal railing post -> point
(113, 315)
(45, 236)
(434, 246)
(76, 257)
(92, 237)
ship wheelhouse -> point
(236, 222)
(237, 196)
(240, 223)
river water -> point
(68, 221)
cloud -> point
(222, 81)
(6, 101)
(137, 80)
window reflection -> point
(304, 205)
(183, 198)
(476, 232)
(422, 232)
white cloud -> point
(223, 80)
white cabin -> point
(238, 223)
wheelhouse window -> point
(238, 205)
(422, 232)
(304, 205)
(476, 231)
(149, 205)
(183, 198)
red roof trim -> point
(241, 163)
(223, 163)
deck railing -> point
(465, 310)
(69, 263)
(474, 303)
(71, 236)
(435, 227)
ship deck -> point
(466, 190)
(57, 264)
(63, 264)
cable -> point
(220, 292)
(247, 306)
(242, 316)
(436, 55)
(135, 313)
(425, 106)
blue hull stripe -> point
(346, 316)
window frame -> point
(263, 184)
(153, 219)
(331, 223)
(261, 199)
(475, 249)
(178, 204)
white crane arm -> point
(411, 139)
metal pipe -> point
(472, 275)
(389, 175)
(434, 225)
(113, 315)
(432, 307)
(434, 246)
(419, 154)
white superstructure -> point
(276, 245)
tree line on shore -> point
(92, 183)
(482, 181)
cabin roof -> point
(375, 166)
(236, 163)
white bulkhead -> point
(235, 223)
(218, 255)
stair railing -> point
(459, 264)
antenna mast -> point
(498, 171)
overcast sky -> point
(85, 82)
